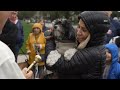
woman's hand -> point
(27, 74)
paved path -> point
(22, 58)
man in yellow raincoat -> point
(35, 44)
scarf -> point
(84, 43)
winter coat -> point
(9, 35)
(115, 28)
(40, 39)
(45, 28)
(87, 63)
(50, 43)
(114, 71)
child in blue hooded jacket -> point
(112, 69)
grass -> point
(27, 29)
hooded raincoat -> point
(35, 39)
(114, 71)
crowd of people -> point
(97, 35)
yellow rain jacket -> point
(35, 39)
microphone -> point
(37, 59)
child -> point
(116, 40)
(112, 69)
(36, 45)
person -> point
(44, 28)
(116, 40)
(50, 41)
(79, 63)
(48, 33)
(50, 45)
(112, 69)
(35, 45)
(8, 67)
(20, 35)
(9, 35)
(114, 29)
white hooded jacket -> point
(8, 67)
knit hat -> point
(37, 25)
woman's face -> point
(82, 32)
(36, 31)
(108, 56)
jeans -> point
(38, 72)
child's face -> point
(36, 30)
(108, 56)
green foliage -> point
(26, 14)
(115, 14)
(47, 14)
(58, 14)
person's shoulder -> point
(117, 68)
(4, 47)
(5, 53)
(19, 21)
(10, 25)
(115, 23)
(9, 22)
(31, 34)
(42, 34)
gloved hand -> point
(69, 53)
(53, 58)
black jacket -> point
(9, 35)
(87, 63)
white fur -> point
(53, 57)
(113, 39)
(69, 53)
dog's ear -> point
(117, 41)
(55, 27)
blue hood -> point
(114, 51)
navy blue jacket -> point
(44, 28)
(115, 28)
(9, 35)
